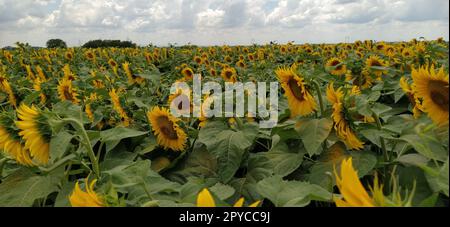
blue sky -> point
(213, 22)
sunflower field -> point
(360, 124)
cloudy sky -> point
(212, 22)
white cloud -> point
(218, 22)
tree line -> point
(59, 43)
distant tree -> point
(109, 43)
(56, 43)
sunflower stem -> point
(87, 143)
(319, 94)
(385, 153)
(383, 144)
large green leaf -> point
(363, 162)
(426, 146)
(199, 163)
(313, 132)
(258, 168)
(112, 137)
(59, 144)
(284, 160)
(23, 187)
(291, 193)
(229, 146)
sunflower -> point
(115, 99)
(66, 92)
(41, 74)
(30, 73)
(380, 46)
(375, 61)
(198, 60)
(342, 127)
(188, 73)
(407, 53)
(352, 190)
(37, 87)
(11, 143)
(90, 55)
(300, 101)
(205, 199)
(6, 87)
(336, 66)
(68, 74)
(34, 131)
(213, 72)
(229, 74)
(165, 127)
(432, 87)
(68, 55)
(240, 64)
(178, 99)
(113, 65)
(413, 98)
(88, 198)
(228, 59)
(389, 51)
(129, 73)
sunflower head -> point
(11, 142)
(87, 197)
(66, 92)
(342, 125)
(378, 63)
(188, 73)
(229, 74)
(336, 67)
(90, 55)
(112, 63)
(353, 192)
(165, 127)
(35, 131)
(433, 88)
(300, 100)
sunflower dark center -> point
(228, 74)
(166, 127)
(188, 73)
(296, 90)
(335, 62)
(439, 94)
(375, 63)
(67, 94)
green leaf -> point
(199, 163)
(23, 187)
(413, 159)
(59, 144)
(291, 193)
(379, 108)
(258, 168)
(70, 110)
(62, 199)
(313, 133)
(227, 145)
(373, 135)
(283, 160)
(363, 162)
(222, 191)
(112, 137)
(427, 147)
(438, 178)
